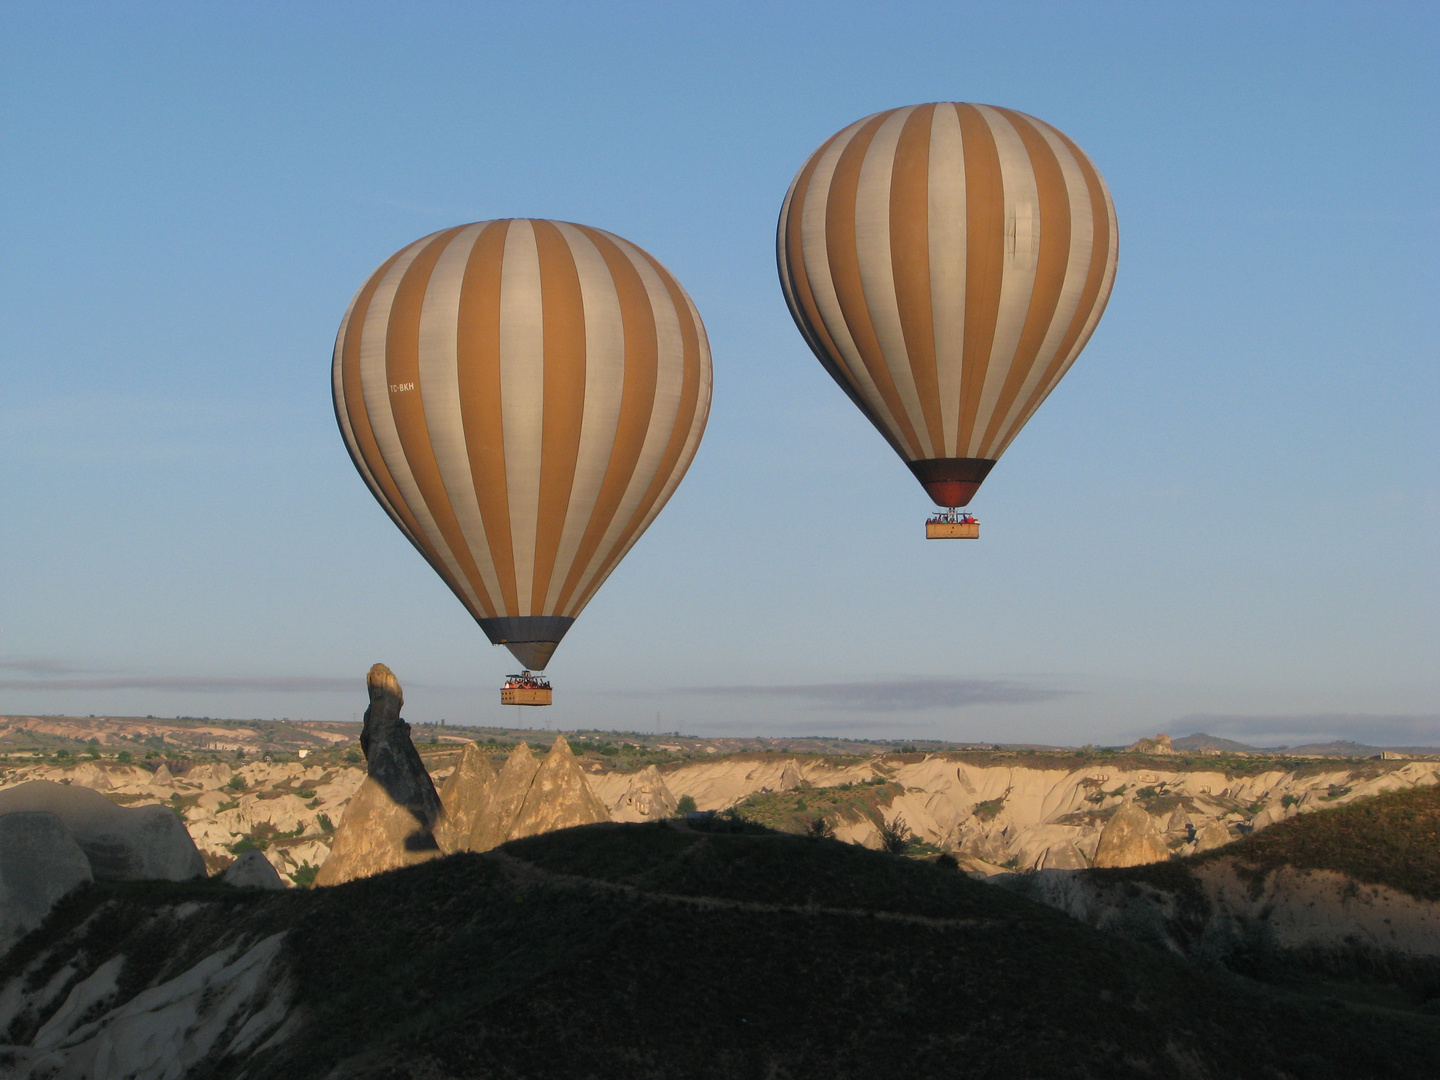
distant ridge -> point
(1336, 748)
(1201, 741)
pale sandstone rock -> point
(377, 834)
(1212, 835)
(388, 823)
(122, 843)
(40, 862)
(646, 798)
(252, 870)
(90, 775)
(465, 797)
(508, 796)
(1130, 838)
(559, 797)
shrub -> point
(820, 829)
(326, 825)
(304, 876)
(236, 783)
(352, 755)
(946, 861)
(686, 805)
(305, 793)
(990, 808)
(123, 757)
(895, 836)
(1288, 801)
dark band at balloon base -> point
(952, 481)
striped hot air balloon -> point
(947, 263)
(522, 397)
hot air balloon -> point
(522, 397)
(947, 263)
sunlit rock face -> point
(1130, 839)
(465, 797)
(559, 797)
(377, 834)
(512, 785)
(391, 820)
(646, 798)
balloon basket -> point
(525, 689)
(952, 525)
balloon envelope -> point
(947, 263)
(522, 397)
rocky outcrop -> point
(252, 871)
(390, 821)
(465, 798)
(227, 1005)
(558, 798)
(121, 843)
(1160, 744)
(512, 785)
(40, 862)
(1220, 910)
(376, 835)
(646, 798)
(390, 755)
(1130, 839)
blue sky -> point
(1226, 515)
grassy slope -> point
(574, 955)
(1392, 839)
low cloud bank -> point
(292, 684)
(897, 695)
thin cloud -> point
(287, 684)
(40, 665)
(897, 695)
(1381, 730)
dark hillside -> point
(645, 951)
(1392, 839)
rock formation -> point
(492, 828)
(1160, 744)
(530, 796)
(790, 778)
(391, 820)
(252, 871)
(645, 799)
(559, 797)
(1130, 838)
(135, 843)
(390, 755)
(465, 798)
(39, 863)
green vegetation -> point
(1391, 839)
(304, 875)
(794, 811)
(685, 805)
(326, 825)
(989, 809)
(895, 836)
